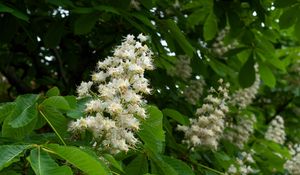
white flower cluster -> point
(182, 68)
(243, 97)
(239, 133)
(243, 165)
(293, 165)
(194, 91)
(115, 111)
(207, 129)
(276, 131)
(218, 47)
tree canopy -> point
(227, 68)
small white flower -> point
(142, 37)
(83, 89)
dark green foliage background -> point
(267, 31)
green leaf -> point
(83, 10)
(288, 17)
(53, 35)
(43, 164)
(284, 3)
(151, 131)
(113, 162)
(221, 68)
(10, 154)
(179, 166)
(137, 166)
(180, 38)
(25, 110)
(57, 102)
(143, 18)
(6, 109)
(210, 27)
(267, 75)
(147, 3)
(53, 92)
(17, 133)
(63, 3)
(247, 73)
(16, 13)
(297, 29)
(107, 9)
(71, 101)
(85, 23)
(162, 166)
(56, 121)
(78, 111)
(177, 116)
(25, 117)
(78, 158)
(197, 17)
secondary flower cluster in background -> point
(207, 128)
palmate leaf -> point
(56, 121)
(160, 164)
(6, 109)
(10, 154)
(43, 164)
(58, 102)
(178, 165)
(25, 110)
(78, 158)
(17, 133)
(137, 166)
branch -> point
(60, 66)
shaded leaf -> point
(179, 166)
(53, 35)
(210, 27)
(16, 13)
(177, 116)
(85, 23)
(139, 165)
(267, 75)
(247, 73)
(151, 131)
(288, 17)
(180, 38)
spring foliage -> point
(141, 87)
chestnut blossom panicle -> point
(276, 130)
(239, 133)
(207, 128)
(293, 165)
(194, 91)
(113, 115)
(244, 97)
(219, 47)
(243, 165)
(182, 68)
